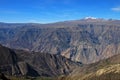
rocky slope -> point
(108, 69)
(11, 64)
(86, 40)
(23, 63)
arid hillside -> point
(108, 69)
(86, 40)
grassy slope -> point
(108, 69)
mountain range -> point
(86, 49)
(85, 40)
(19, 65)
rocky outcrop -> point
(48, 64)
(11, 64)
(24, 63)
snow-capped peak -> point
(89, 17)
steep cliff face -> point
(11, 64)
(23, 63)
(84, 41)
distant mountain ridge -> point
(85, 41)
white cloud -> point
(117, 9)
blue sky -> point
(46, 11)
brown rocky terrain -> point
(108, 69)
(24, 63)
(86, 40)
